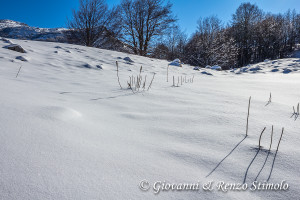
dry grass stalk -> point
(151, 82)
(144, 85)
(271, 138)
(248, 116)
(173, 81)
(260, 137)
(18, 71)
(294, 109)
(168, 73)
(118, 74)
(279, 140)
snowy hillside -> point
(18, 30)
(6, 23)
(67, 130)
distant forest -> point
(149, 28)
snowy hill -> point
(18, 30)
(68, 131)
(6, 23)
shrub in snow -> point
(15, 47)
(180, 80)
(136, 83)
(128, 59)
(176, 63)
(296, 113)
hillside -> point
(18, 30)
(68, 131)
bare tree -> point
(143, 20)
(175, 41)
(199, 48)
(244, 20)
(161, 51)
(171, 45)
(224, 50)
(90, 21)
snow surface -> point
(68, 131)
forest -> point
(149, 28)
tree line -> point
(149, 28)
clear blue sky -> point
(53, 13)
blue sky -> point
(53, 13)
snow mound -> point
(22, 58)
(127, 59)
(57, 113)
(206, 73)
(176, 63)
(15, 47)
(216, 67)
(254, 69)
(90, 66)
(274, 70)
(6, 40)
(284, 66)
(286, 71)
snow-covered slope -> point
(6, 23)
(67, 130)
(18, 30)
